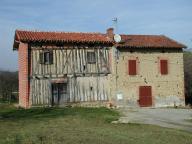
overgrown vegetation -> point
(8, 86)
(188, 76)
(78, 125)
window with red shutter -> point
(132, 67)
(164, 67)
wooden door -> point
(145, 96)
(59, 93)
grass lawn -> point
(79, 125)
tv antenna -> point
(117, 37)
(115, 21)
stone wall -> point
(167, 90)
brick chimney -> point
(110, 33)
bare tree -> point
(8, 85)
(188, 76)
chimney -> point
(110, 33)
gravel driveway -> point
(165, 117)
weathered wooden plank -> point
(62, 61)
(55, 53)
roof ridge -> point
(69, 32)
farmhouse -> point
(70, 68)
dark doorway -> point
(59, 93)
(145, 96)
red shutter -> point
(132, 67)
(164, 67)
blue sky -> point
(169, 17)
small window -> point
(132, 67)
(91, 57)
(164, 67)
(46, 57)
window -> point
(46, 57)
(91, 57)
(164, 67)
(132, 67)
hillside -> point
(79, 125)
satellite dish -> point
(117, 38)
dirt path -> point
(165, 117)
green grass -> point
(79, 125)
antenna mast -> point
(115, 21)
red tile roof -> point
(135, 41)
(149, 41)
(28, 36)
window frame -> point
(46, 57)
(91, 57)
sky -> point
(172, 18)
